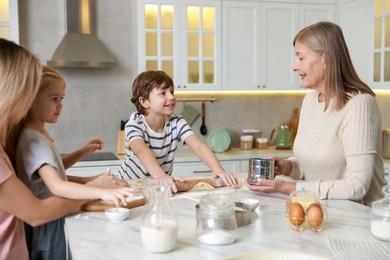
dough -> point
(202, 186)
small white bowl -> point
(253, 203)
(117, 214)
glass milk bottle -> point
(159, 224)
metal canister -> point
(386, 144)
(260, 168)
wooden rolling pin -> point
(189, 184)
(99, 205)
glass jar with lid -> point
(246, 142)
(215, 220)
(380, 216)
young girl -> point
(41, 167)
(153, 134)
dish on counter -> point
(117, 214)
(242, 214)
(220, 140)
(253, 203)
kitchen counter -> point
(185, 154)
(234, 160)
(92, 236)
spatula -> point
(203, 128)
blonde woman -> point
(20, 74)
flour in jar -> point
(217, 237)
(159, 238)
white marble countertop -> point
(92, 236)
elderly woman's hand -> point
(282, 166)
(276, 185)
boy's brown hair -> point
(145, 82)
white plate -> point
(275, 255)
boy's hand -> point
(107, 180)
(227, 178)
(93, 145)
(171, 180)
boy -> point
(153, 133)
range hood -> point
(80, 48)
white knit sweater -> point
(338, 153)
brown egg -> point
(296, 214)
(314, 215)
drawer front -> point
(90, 171)
(194, 169)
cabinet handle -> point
(201, 171)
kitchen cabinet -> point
(312, 13)
(257, 41)
(356, 20)
(93, 168)
(182, 38)
(197, 169)
(381, 39)
(9, 20)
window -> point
(382, 41)
(9, 20)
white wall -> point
(96, 99)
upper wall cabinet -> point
(356, 20)
(9, 20)
(257, 41)
(182, 38)
(381, 39)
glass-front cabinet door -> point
(381, 75)
(158, 37)
(181, 38)
(9, 20)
